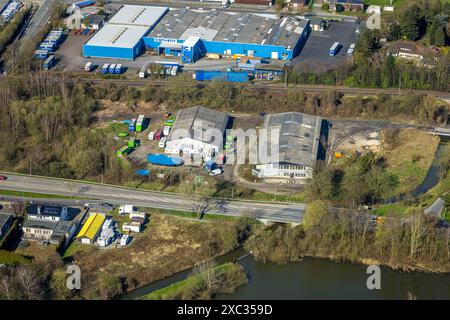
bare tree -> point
(29, 283)
(200, 205)
(208, 273)
(6, 289)
(417, 232)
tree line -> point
(417, 242)
(371, 66)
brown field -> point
(168, 245)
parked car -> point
(216, 172)
(162, 142)
(151, 135)
(3, 177)
(166, 130)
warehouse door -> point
(274, 55)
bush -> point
(12, 258)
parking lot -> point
(315, 56)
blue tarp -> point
(163, 160)
(142, 172)
(230, 76)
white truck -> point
(88, 67)
(143, 73)
(162, 142)
(166, 130)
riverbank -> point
(208, 282)
(168, 245)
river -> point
(319, 279)
(324, 279)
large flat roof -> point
(299, 136)
(230, 27)
(118, 36)
(127, 27)
(135, 15)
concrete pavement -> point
(271, 212)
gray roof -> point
(227, 27)
(4, 217)
(95, 19)
(299, 136)
(60, 227)
(40, 224)
(197, 120)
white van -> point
(162, 142)
(125, 240)
(166, 130)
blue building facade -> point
(204, 47)
(114, 52)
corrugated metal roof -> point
(299, 136)
(197, 121)
(230, 27)
(91, 227)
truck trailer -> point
(105, 68)
(49, 63)
(140, 122)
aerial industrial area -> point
(166, 150)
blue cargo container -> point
(41, 54)
(112, 68)
(163, 160)
(230, 76)
(118, 69)
(105, 68)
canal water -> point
(324, 279)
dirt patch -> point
(361, 142)
(117, 109)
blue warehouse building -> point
(190, 34)
(121, 37)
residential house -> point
(93, 21)
(298, 4)
(47, 212)
(51, 231)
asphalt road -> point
(277, 212)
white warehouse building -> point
(197, 131)
(300, 146)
